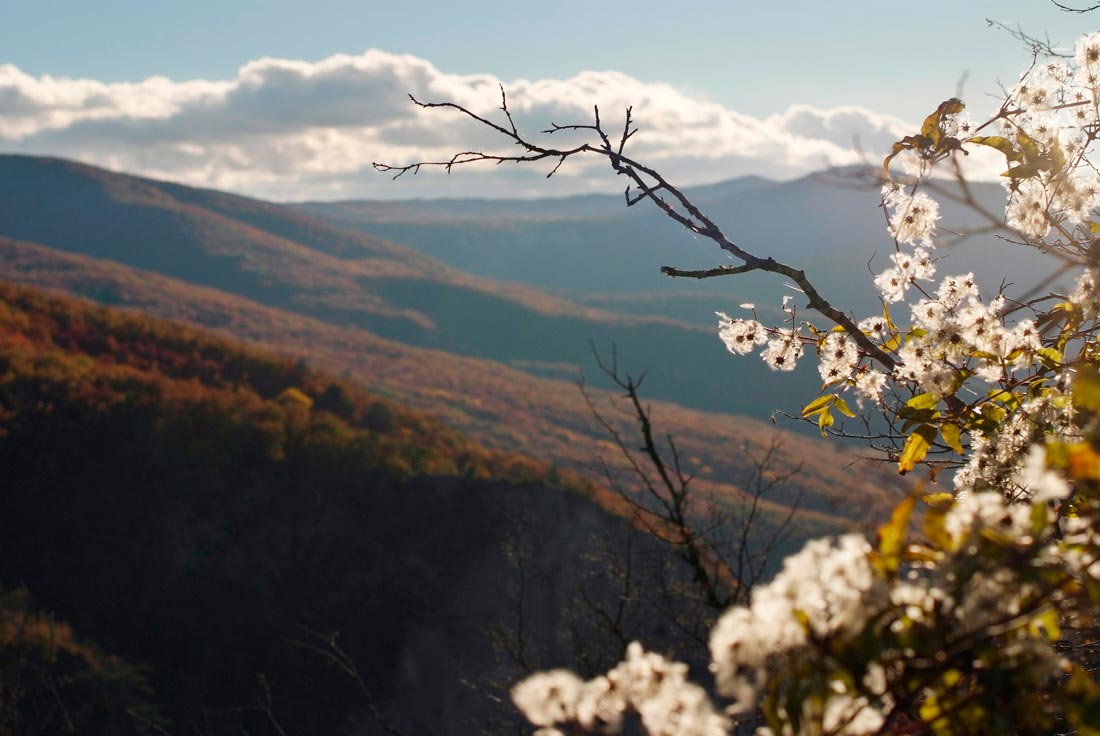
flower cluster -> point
(849, 635)
(912, 216)
(783, 344)
(645, 683)
(978, 377)
(826, 590)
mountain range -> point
(484, 355)
(396, 447)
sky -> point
(293, 100)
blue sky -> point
(750, 61)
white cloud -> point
(296, 129)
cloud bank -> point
(287, 129)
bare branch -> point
(727, 551)
(1068, 9)
(326, 647)
(649, 184)
(1038, 46)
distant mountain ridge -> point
(286, 259)
(830, 225)
(499, 211)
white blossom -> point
(831, 584)
(954, 289)
(848, 716)
(1087, 55)
(839, 356)
(869, 385)
(913, 217)
(1027, 209)
(1086, 296)
(741, 336)
(783, 351)
(548, 698)
(1038, 481)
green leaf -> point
(916, 447)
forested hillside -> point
(498, 406)
(216, 515)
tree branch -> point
(649, 184)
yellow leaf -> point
(937, 499)
(1051, 357)
(916, 447)
(935, 526)
(825, 420)
(930, 708)
(1086, 388)
(818, 404)
(993, 413)
(923, 401)
(842, 407)
(1046, 624)
(931, 127)
(892, 534)
(1003, 145)
(889, 322)
(1028, 146)
(952, 437)
(1082, 462)
(1057, 156)
(1025, 170)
